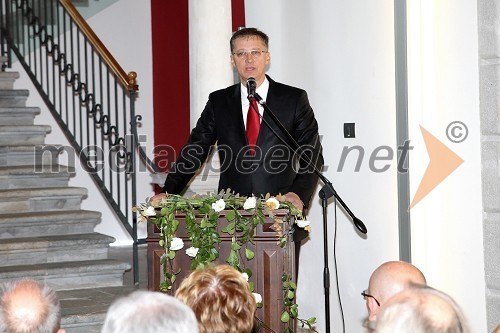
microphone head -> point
(251, 81)
(251, 87)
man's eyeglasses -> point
(365, 295)
(243, 54)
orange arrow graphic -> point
(442, 162)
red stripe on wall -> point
(238, 13)
(170, 37)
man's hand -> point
(295, 200)
(157, 198)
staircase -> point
(44, 233)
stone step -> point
(48, 223)
(53, 249)
(41, 199)
(13, 97)
(13, 135)
(70, 275)
(7, 79)
(29, 176)
(28, 155)
(84, 310)
(18, 115)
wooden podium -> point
(269, 263)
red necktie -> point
(253, 125)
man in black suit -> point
(269, 166)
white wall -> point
(447, 241)
(342, 53)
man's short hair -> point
(221, 299)
(149, 312)
(421, 309)
(28, 306)
(249, 32)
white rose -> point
(302, 223)
(250, 203)
(273, 203)
(258, 298)
(245, 276)
(176, 244)
(150, 211)
(192, 251)
(219, 205)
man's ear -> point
(373, 309)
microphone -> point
(251, 86)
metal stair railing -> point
(88, 93)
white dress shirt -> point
(245, 103)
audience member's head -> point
(387, 280)
(221, 299)
(149, 312)
(28, 306)
(497, 330)
(421, 309)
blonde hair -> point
(220, 298)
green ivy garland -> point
(201, 215)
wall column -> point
(210, 28)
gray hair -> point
(149, 312)
(28, 296)
(421, 309)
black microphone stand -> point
(326, 192)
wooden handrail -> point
(128, 81)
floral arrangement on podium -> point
(201, 215)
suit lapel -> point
(266, 136)
(234, 104)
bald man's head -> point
(28, 306)
(389, 279)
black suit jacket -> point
(273, 169)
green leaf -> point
(294, 310)
(251, 285)
(230, 215)
(161, 242)
(175, 224)
(203, 223)
(249, 254)
(173, 278)
(235, 246)
(311, 321)
(290, 294)
(293, 286)
(230, 228)
(232, 260)
(171, 255)
(285, 317)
